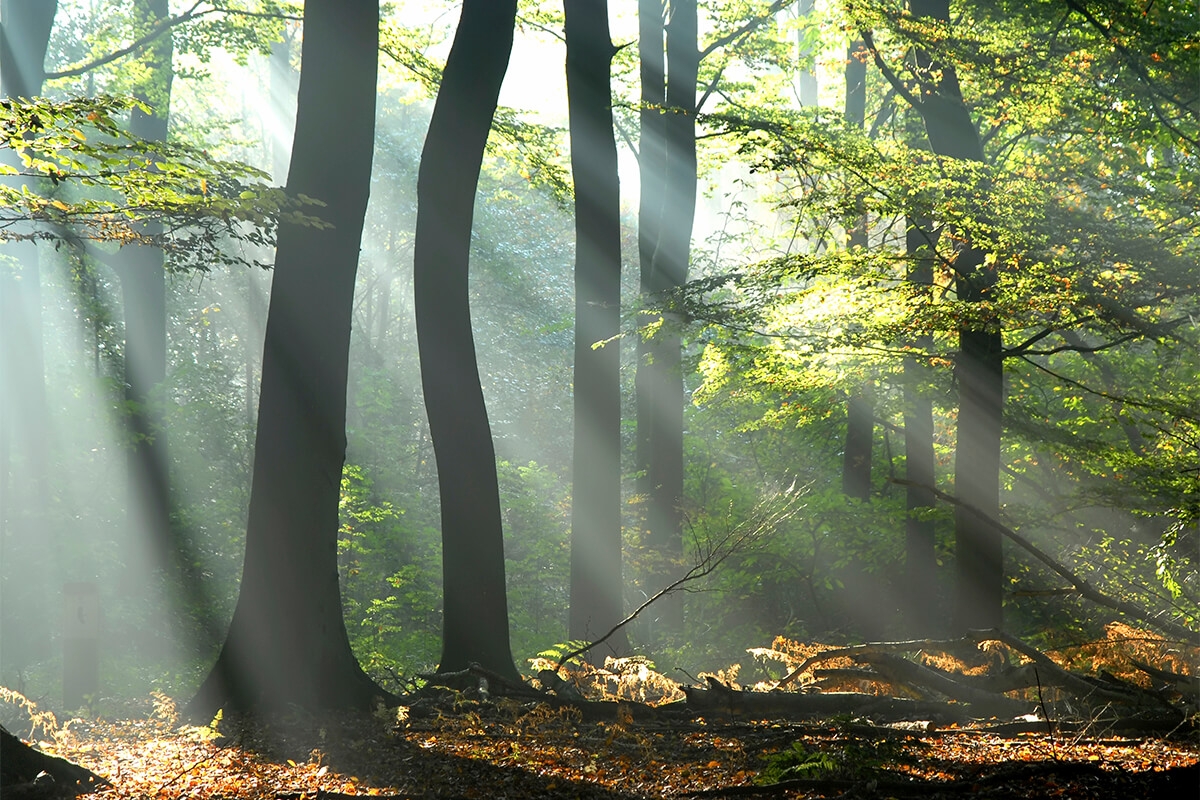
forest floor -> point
(510, 749)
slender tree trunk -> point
(660, 377)
(142, 276)
(25, 475)
(287, 644)
(978, 367)
(652, 173)
(860, 410)
(596, 587)
(475, 624)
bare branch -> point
(1084, 588)
(159, 28)
(746, 29)
(758, 524)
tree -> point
(979, 563)
(140, 269)
(475, 622)
(596, 588)
(287, 644)
(659, 377)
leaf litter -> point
(507, 749)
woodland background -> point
(821, 321)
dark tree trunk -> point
(860, 410)
(596, 587)
(475, 626)
(978, 368)
(919, 534)
(860, 432)
(659, 375)
(24, 38)
(287, 644)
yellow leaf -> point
(60, 205)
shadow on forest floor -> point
(509, 749)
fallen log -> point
(1040, 671)
(724, 701)
(1186, 685)
(903, 672)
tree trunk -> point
(860, 410)
(26, 530)
(978, 367)
(141, 272)
(287, 644)
(596, 586)
(660, 377)
(475, 624)
(652, 174)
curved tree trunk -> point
(287, 644)
(596, 588)
(475, 623)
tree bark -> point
(660, 378)
(808, 87)
(978, 366)
(287, 644)
(596, 586)
(475, 623)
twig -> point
(707, 565)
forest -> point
(511, 398)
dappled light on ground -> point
(507, 749)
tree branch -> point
(892, 78)
(159, 28)
(729, 544)
(748, 28)
(1084, 588)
